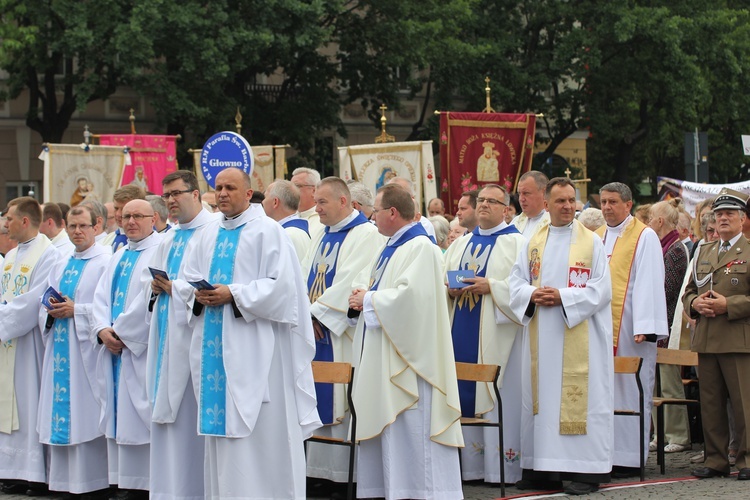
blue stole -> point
(61, 356)
(322, 273)
(299, 224)
(213, 400)
(121, 239)
(467, 315)
(174, 261)
(120, 285)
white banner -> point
(692, 193)
(375, 164)
(269, 164)
(73, 173)
(746, 145)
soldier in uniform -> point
(718, 298)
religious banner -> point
(375, 164)
(483, 148)
(269, 164)
(77, 172)
(692, 193)
(152, 158)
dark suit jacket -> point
(728, 332)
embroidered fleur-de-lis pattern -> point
(213, 373)
(61, 339)
(473, 259)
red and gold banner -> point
(152, 158)
(483, 148)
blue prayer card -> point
(158, 272)
(202, 285)
(51, 296)
(456, 278)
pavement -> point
(678, 467)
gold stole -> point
(620, 268)
(15, 281)
(575, 377)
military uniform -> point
(723, 343)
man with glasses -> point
(306, 180)
(484, 330)
(176, 449)
(119, 311)
(123, 195)
(25, 271)
(68, 408)
(717, 298)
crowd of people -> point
(162, 345)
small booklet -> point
(202, 285)
(456, 278)
(158, 272)
(51, 296)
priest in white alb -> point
(281, 203)
(251, 350)
(119, 322)
(485, 330)
(68, 408)
(639, 315)
(306, 180)
(405, 390)
(531, 188)
(560, 289)
(26, 271)
(176, 448)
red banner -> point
(483, 148)
(152, 158)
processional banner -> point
(692, 193)
(152, 158)
(483, 148)
(76, 172)
(269, 164)
(375, 164)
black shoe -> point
(37, 490)
(130, 495)
(577, 488)
(528, 484)
(14, 487)
(621, 472)
(744, 474)
(706, 472)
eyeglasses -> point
(491, 201)
(175, 193)
(82, 227)
(136, 217)
(376, 210)
(300, 186)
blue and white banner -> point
(225, 150)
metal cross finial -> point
(238, 121)
(488, 108)
(384, 136)
(132, 121)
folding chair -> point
(632, 365)
(339, 373)
(670, 357)
(488, 374)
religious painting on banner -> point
(269, 164)
(152, 158)
(75, 172)
(483, 148)
(375, 164)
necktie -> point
(724, 247)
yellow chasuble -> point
(15, 281)
(620, 267)
(575, 376)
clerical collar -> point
(487, 232)
(253, 211)
(732, 242)
(393, 239)
(286, 219)
(538, 216)
(62, 235)
(560, 229)
(90, 252)
(621, 226)
(28, 241)
(136, 245)
(341, 224)
(203, 218)
(310, 212)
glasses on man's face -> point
(300, 186)
(76, 227)
(135, 217)
(491, 201)
(174, 194)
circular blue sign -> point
(225, 150)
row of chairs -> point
(343, 373)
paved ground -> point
(678, 466)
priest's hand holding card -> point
(61, 309)
(219, 296)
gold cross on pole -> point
(384, 136)
(488, 108)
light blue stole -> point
(61, 356)
(174, 261)
(213, 400)
(120, 285)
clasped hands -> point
(546, 296)
(710, 304)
